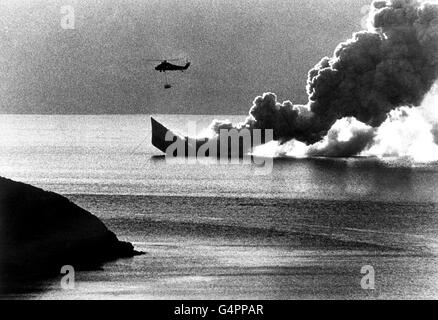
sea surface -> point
(303, 229)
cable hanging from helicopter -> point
(166, 66)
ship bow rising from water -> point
(229, 143)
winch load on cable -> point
(166, 66)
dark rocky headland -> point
(42, 231)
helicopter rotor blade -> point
(161, 60)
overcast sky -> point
(238, 49)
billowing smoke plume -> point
(393, 64)
(409, 133)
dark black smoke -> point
(393, 64)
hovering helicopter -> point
(166, 66)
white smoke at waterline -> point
(408, 132)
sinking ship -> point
(177, 145)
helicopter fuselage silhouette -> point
(166, 66)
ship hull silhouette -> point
(165, 140)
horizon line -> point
(119, 114)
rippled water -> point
(302, 230)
